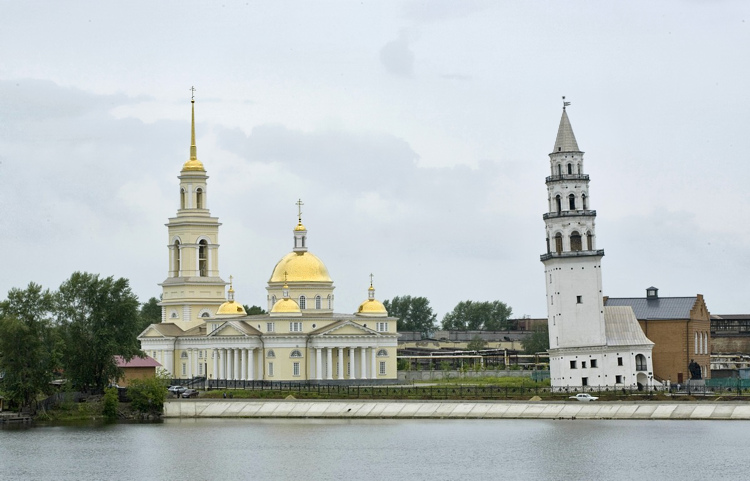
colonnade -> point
(235, 363)
(365, 371)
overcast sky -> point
(416, 133)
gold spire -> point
(193, 163)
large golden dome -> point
(193, 165)
(372, 307)
(231, 307)
(300, 267)
(286, 306)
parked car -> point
(176, 390)
(188, 393)
(584, 396)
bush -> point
(110, 403)
(147, 395)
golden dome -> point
(300, 267)
(193, 165)
(300, 227)
(286, 306)
(231, 307)
(372, 307)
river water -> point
(229, 449)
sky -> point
(416, 133)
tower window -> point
(558, 243)
(177, 255)
(579, 299)
(572, 201)
(619, 361)
(575, 241)
(203, 258)
(573, 364)
(640, 362)
(318, 302)
(579, 169)
(302, 302)
(199, 198)
(590, 241)
(182, 198)
(583, 201)
(558, 203)
(548, 251)
(570, 168)
(559, 169)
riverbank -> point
(455, 410)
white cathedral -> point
(206, 334)
(590, 345)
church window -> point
(583, 201)
(583, 364)
(295, 327)
(203, 258)
(318, 302)
(302, 302)
(552, 300)
(199, 198)
(593, 363)
(572, 201)
(548, 251)
(270, 327)
(273, 300)
(579, 299)
(695, 344)
(270, 369)
(590, 241)
(579, 169)
(619, 361)
(206, 314)
(182, 198)
(558, 243)
(382, 368)
(573, 365)
(184, 369)
(584, 381)
(570, 168)
(271, 353)
(296, 353)
(558, 202)
(618, 379)
(575, 241)
(295, 369)
(303, 241)
(173, 315)
(640, 362)
(559, 169)
(184, 355)
(381, 326)
(382, 353)
(177, 254)
(200, 369)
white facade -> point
(590, 345)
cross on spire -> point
(299, 205)
(371, 276)
(192, 93)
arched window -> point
(302, 302)
(590, 241)
(583, 201)
(199, 198)
(203, 258)
(177, 254)
(271, 353)
(705, 343)
(273, 300)
(182, 198)
(558, 202)
(206, 314)
(548, 251)
(579, 169)
(330, 302)
(558, 243)
(295, 353)
(575, 241)
(570, 169)
(640, 362)
(559, 169)
(572, 201)
(382, 353)
(695, 344)
(184, 355)
(318, 302)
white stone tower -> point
(589, 345)
(193, 289)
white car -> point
(585, 397)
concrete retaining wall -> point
(456, 409)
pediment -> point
(151, 332)
(235, 328)
(227, 330)
(346, 328)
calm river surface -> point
(217, 449)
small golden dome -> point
(372, 307)
(193, 165)
(231, 307)
(300, 227)
(300, 267)
(286, 307)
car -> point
(188, 393)
(176, 390)
(584, 396)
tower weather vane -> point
(565, 104)
(192, 93)
(371, 276)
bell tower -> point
(193, 289)
(572, 263)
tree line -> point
(72, 333)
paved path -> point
(455, 409)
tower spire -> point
(193, 163)
(566, 140)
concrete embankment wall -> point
(456, 409)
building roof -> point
(658, 308)
(622, 328)
(566, 140)
(147, 361)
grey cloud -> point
(396, 56)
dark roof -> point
(730, 316)
(659, 308)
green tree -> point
(251, 311)
(413, 313)
(477, 316)
(538, 341)
(476, 343)
(150, 313)
(99, 319)
(29, 348)
(110, 403)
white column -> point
(363, 362)
(374, 366)
(243, 364)
(329, 363)
(222, 370)
(170, 362)
(352, 371)
(216, 363)
(236, 372)
(260, 363)
(250, 365)
(341, 363)
(190, 363)
(195, 362)
(318, 364)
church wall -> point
(674, 347)
(607, 368)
